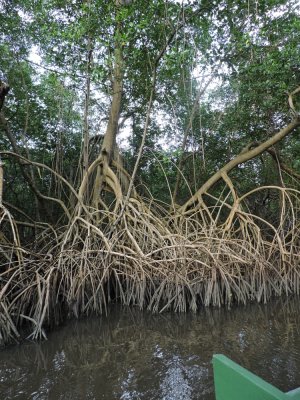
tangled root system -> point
(137, 253)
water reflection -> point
(137, 355)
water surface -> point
(132, 354)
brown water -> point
(137, 355)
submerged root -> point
(217, 255)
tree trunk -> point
(109, 141)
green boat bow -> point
(233, 382)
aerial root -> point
(217, 255)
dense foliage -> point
(249, 51)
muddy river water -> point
(132, 354)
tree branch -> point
(246, 154)
(240, 159)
